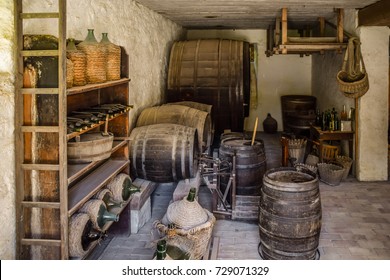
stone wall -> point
(7, 137)
(147, 38)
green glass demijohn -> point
(104, 216)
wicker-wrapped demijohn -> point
(96, 55)
(107, 197)
(113, 65)
(79, 61)
(192, 222)
(122, 187)
(97, 211)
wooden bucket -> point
(215, 72)
(183, 115)
(250, 164)
(290, 215)
(90, 147)
(164, 152)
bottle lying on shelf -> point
(84, 122)
(99, 115)
(88, 118)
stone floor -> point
(355, 222)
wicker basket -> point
(312, 160)
(79, 60)
(302, 167)
(296, 149)
(352, 88)
(330, 173)
(69, 73)
(346, 162)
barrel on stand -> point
(298, 112)
(290, 215)
(250, 164)
(214, 72)
(164, 152)
(183, 115)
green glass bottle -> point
(191, 195)
(128, 189)
(104, 216)
(110, 202)
(161, 252)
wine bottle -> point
(191, 195)
(161, 251)
(128, 189)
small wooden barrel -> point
(91, 147)
(290, 215)
(250, 164)
(164, 152)
(179, 114)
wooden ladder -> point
(41, 163)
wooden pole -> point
(254, 131)
(356, 132)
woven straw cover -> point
(102, 193)
(77, 224)
(96, 56)
(79, 60)
(113, 66)
(92, 207)
(185, 214)
(69, 73)
(200, 235)
(116, 186)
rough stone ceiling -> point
(247, 14)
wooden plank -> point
(340, 25)
(41, 204)
(39, 90)
(48, 129)
(47, 167)
(284, 26)
(41, 242)
(90, 87)
(322, 26)
(86, 188)
(377, 14)
(39, 53)
(38, 15)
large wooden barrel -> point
(250, 164)
(214, 72)
(164, 152)
(298, 111)
(183, 115)
(290, 215)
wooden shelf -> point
(74, 134)
(77, 170)
(86, 188)
(90, 87)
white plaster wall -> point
(7, 140)
(276, 75)
(145, 35)
(373, 106)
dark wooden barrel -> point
(183, 115)
(214, 72)
(250, 164)
(290, 215)
(164, 152)
(298, 111)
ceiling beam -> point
(377, 14)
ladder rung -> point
(40, 53)
(39, 90)
(39, 15)
(41, 242)
(47, 129)
(48, 167)
(41, 204)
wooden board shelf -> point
(91, 87)
(86, 188)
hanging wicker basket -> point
(353, 80)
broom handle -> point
(254, 131)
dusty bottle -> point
(344, 114)
(129, 189)
(191, 195)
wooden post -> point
(340, 25)
(322, 26)
(284, 29)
